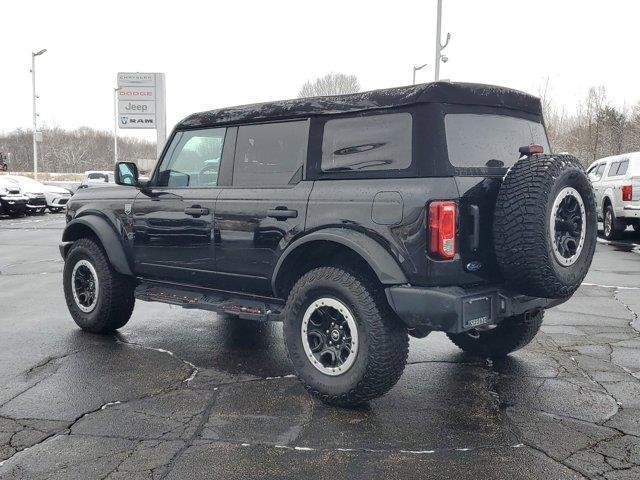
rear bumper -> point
(457, 309)
(632, 211)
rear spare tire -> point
(545, 226)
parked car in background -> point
(12, 201)
(616, 182)
(34, 190)
(55, 198)
(70, 186)
(97, 178)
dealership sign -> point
(141, 102)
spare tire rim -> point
(568, 226)
(329, 336)
(85, 286)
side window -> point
(613, 169)
(193, 159)
(270, 154)
(622, 168)
(376, 142)
(595, 172)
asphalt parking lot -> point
(186, 394)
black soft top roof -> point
(437, 92)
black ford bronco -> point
(356, 220)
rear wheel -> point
(613, 228)
(343, 340)
(508, 336)
(100, 299)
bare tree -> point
(72, 151)
(330, 84)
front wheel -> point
(508, 336)
(342, 338)
(100, 299)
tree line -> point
(596, 128)
(72, 151)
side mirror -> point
(126, 173)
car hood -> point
(54, 189)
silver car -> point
(616, 182)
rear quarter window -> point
(370, 143)
(488, 140)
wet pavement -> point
(187, 394)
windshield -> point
(486, 140)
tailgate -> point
(475, 238)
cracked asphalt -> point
(186, 394)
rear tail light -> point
(627, 193)
(531, 149)
(442, 229)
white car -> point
(616, 182)
(42, 196)
(98, 178)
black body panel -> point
(240, 240)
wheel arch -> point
(103, 232)
(337, 244)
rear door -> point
(481, 147)
(173, 217)
(266, 205)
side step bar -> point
(261, 309)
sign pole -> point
(115, 124)
(161, 114)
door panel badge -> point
(127, 209)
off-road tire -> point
(115, 297)
(508, 336)
(383, 340)
(617, 227)
(521, 228)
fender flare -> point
(379, 259)
(109, 239)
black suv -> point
(357, 220)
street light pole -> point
(115, 124)
(35, 113)
(439, 46)
(415, 69)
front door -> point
(173, 217)
(265, 207)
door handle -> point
(282, 213)
(196, 211)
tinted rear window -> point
(486, 140)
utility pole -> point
(439, 46)
(115, 124)
(35, 112)
(415, 69)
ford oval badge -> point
(474, 266)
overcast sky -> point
(218, 54)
